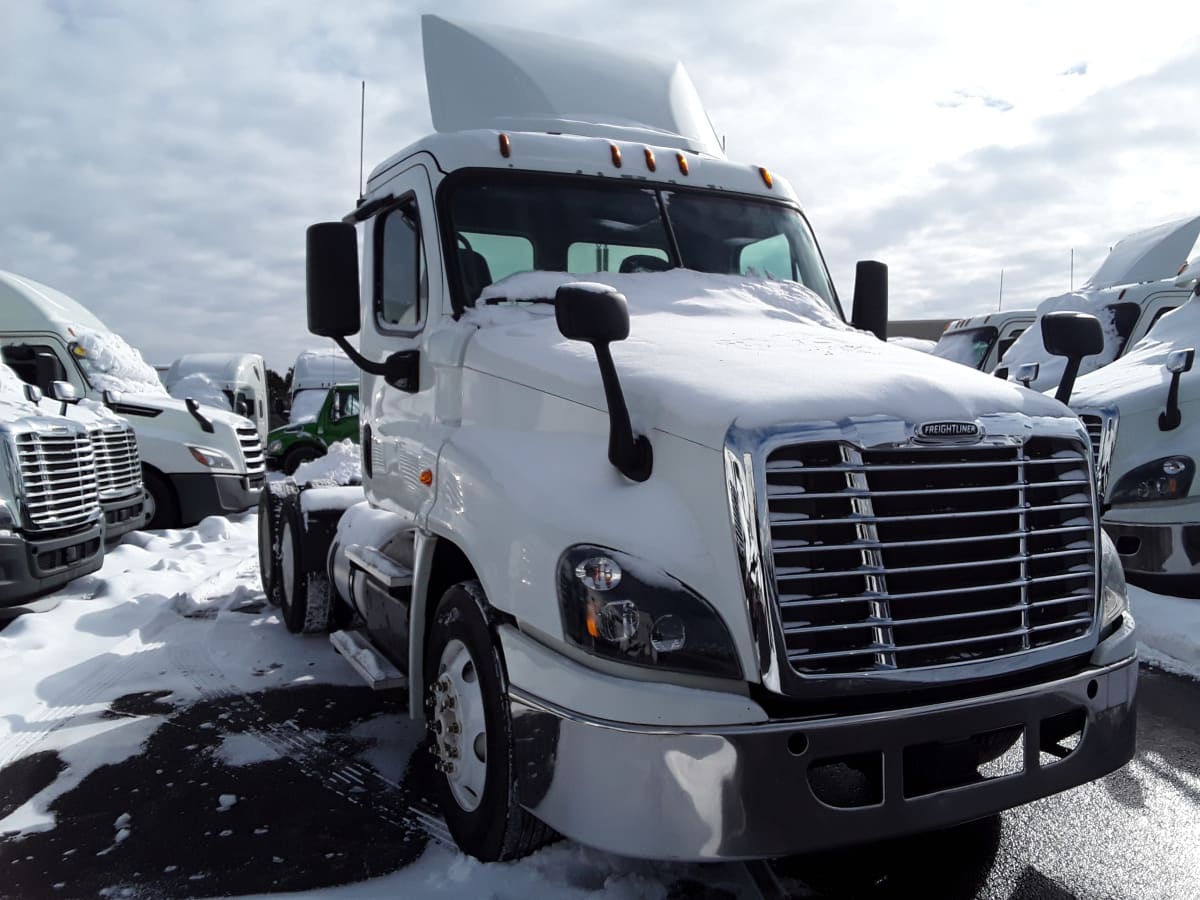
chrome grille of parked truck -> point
(58, 475)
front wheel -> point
(297, 456)
(471, 733)
(164, 506)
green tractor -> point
(309, 433)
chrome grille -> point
(1101, 425)
(118, 466)
(1095, 426)
(916, 557)
(58, 479)
(252, 450)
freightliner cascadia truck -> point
(670, 557)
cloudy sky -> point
(161, 160)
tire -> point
(478, 797)
(304, 594)
(164, 504)
(270, 505)
(297, 455)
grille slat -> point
(917, 557)
(252, 450)
(58, 479)
(118, 465)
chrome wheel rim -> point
(458, 725)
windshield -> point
(969, 347)
(502, 225)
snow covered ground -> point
(176, 621)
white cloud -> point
(161, 161)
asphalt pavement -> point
(291, 789)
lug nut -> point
(437, 726)
(454, 728)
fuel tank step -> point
(375, 668)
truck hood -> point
(708, 351)
(177, 411)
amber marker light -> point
(426, 477)
(650, 163)
(616, 155)
(766, 176)
(683, 163)
(505, 146)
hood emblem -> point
(948, 432)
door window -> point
(401, 277)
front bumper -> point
(754, 791)
(124, 515)
(32, 567)
(203, 494)
(1159, 556)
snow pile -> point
(341, 464)
(306, 405)
(12, 395)
(202, 389)
(921, 344)
(112, 365)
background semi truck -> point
(669, 557)
(1144, 413)
(240, 377)
(195, 462)
(51, 524)
(981, 341)
(307, 437)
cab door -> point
(402, 289)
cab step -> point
(375, 668)
(380, 568)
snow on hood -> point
(1139, 379)
(306, 405)
(113, 365)
(705, 350)
(202, 389)
(1029, 347)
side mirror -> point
(64, 391)
(870, 312)
(332, 277)
(598, 314)
(1073, 335)
(33, 393)
(595, 313)
(1027, 373)
(1178, 362)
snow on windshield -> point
(1029, 347)
(306, 405)
(202, 389)
(13, 404)
(112, 365)
(680, 291)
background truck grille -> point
(58, 479)
(917, 557)
(118, 466)
(1095, 426)
(252, 450)
(1101, 427)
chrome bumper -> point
(1164, 557)
(755, 791)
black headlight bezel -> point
(708, 650)
(1125, 489)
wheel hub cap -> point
(457, 724)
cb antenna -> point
(362, 127)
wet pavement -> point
(316, 785)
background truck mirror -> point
(1073, 335)
(332, 275)
(1178, 362)
(870, 311)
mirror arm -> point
(632, 456)
(1070, 373)
(400, 369)
(194, 408)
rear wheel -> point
(471, 731)
(304, 594)
(270, 506)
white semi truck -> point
(669, 557)
(1144, 414)
(195, 462)
(981, 341)
(51, 522)
(240, 377)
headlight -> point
(276, 446)
(1114, 594)
(1168, 478)
(620, 607)
(214, 459)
